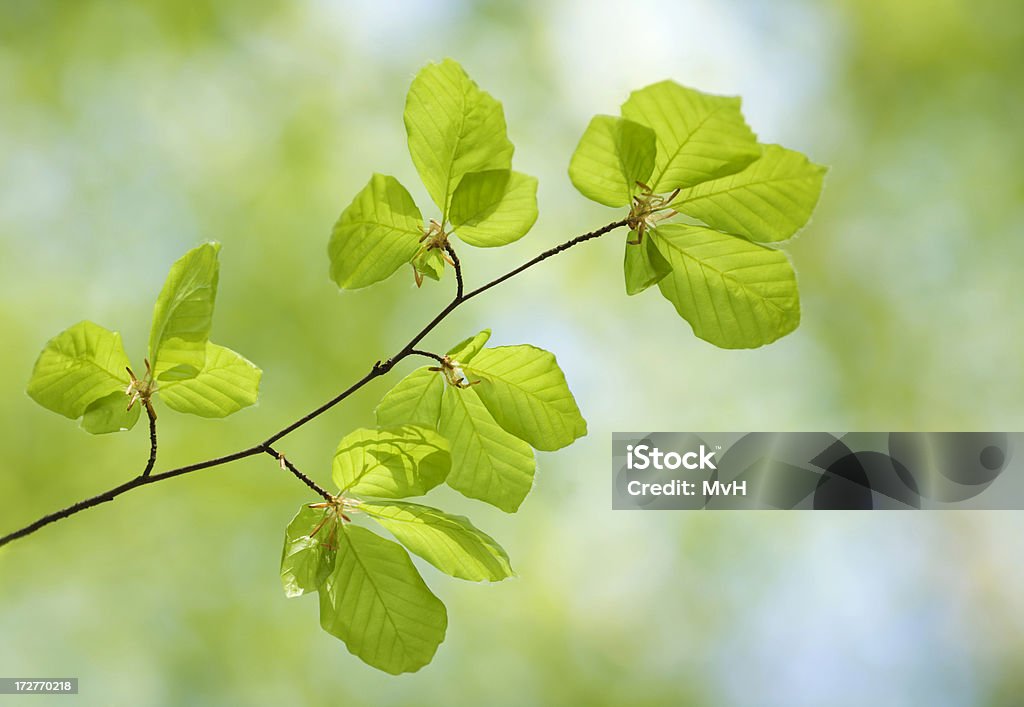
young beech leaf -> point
(310, 546)
(377, 603)
(84, 365)
(644, 265)
(488, 463)
(227, 383)
(465, 350)
(525, 390)
(183, 315)
(454, 128)
(770, 200)
(612, 156)
(415, 400)
(494, 208)
(449, 542)
(699, 136)
(734, 293)
(377, 234)
(392, 462)
(110, 414)
(429, 263)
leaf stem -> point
(380, 368)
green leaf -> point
(183, 315)
(734, 293)
(464, 351)
(612, 156)
(377, 234)
(415, 400)
(525, 391)
(310, 546)
(429, 263)
(377, 603)
(449, 542)
(227, 383)
(393, 462)
(770, 200)
(494, 208)
(644, 265)
(80, 366)
(488, 463)
(110, 414)
(700, 136)
(454, 128)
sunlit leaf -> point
(700, 136)
(393, 462)
(644, 265)
(494, 208)
(375, 235)
(488, 463)
(612, 156)
(449, 542)
(415, 400)
(77, 368)
(464, 351)
(454, 128)
(734, 293)
(525, 391)
(310, 547)
(227, 383)
(770, 200)
(183, 315)
(111, 414)
(377, 603)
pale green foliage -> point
(416, 400)
(612, 156)
(488, 463)
(494, 208)
(227, 383)
(458, 143)
(84, 371)
(700, 136)
(525, 391)
(454, 128)
(377, 603)
(709, 166)
(377, 234)
(735, 294)
(465, 350)
(770, 200)
(644, 265)
(449, 542)
(80, 366)
(310, 548)
(393, 462)
(109, 414)
(183, 315)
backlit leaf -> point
(227, 383)
(393, 462)
(612, 156)
(449, 542)
(494, 208)
(375, 235)
(377, 603)
(734, 293)
(700, 136)
(310, 547)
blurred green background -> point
(130, 132)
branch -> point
(151, 414)
(378, 369)
(285, 464)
